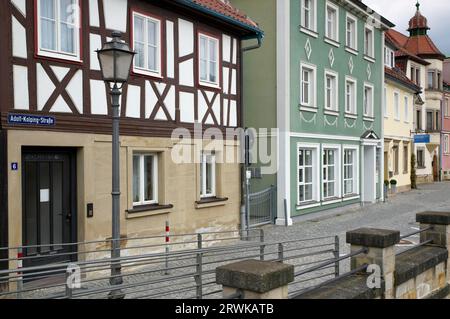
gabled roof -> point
(397, 37)
(422, 45)
(401, 40)
(223, 10)
(400, 77)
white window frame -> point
(446, 107)
(354, 109)
(354, 35)
(389, 57)
(209, 83)
(446, 144)
(142, 181)
(312, 103)
(371, 113)
(203, 182)
(336, 22)
(146, 70)
(420, 149)
(315, 175)
(406, 108)
(58, 53)
(337, 171)
(313, 16)
(355, 150)
(335, 93)
(370, 54)
(396, 106)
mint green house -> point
(319, 79)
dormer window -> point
(58, 29)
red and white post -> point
(167, 247)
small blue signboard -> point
(422, 139)
(14, 166)
(21, 119)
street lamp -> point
(115, 59)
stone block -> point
(256, 276)
(370, 237)
(434, 218)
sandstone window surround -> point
(58, 29)
(145, 179)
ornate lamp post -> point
(115, 59)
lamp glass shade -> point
(115, 60)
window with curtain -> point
(368, 101)
(352, 36)
(58, 29)
(308, 14)
(147, 44)
(332, 22)
(307, 90)
(209, 60)
(145, 179)
(329, 165)
(207, 175)
(350, 172)
(305, 175)
(368, 42)
(331, 99)
(350, 97)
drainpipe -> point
(245, 187)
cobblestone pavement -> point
(398, 213)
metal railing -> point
(262, 207)
(324, 265)
(420, 231)
(186, 271)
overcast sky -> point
(400, 11)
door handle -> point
(69, 217)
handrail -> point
(417, 232)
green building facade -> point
(319, 79)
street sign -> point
(21, 119)
(422, 139)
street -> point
(398, 213)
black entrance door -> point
(49, 210)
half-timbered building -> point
(55, 123)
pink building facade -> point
(445, 135)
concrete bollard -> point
(439, 234)
(254, 279)
(380, 244)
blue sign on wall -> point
(424, 138)
(21, 119)
(14, 166)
